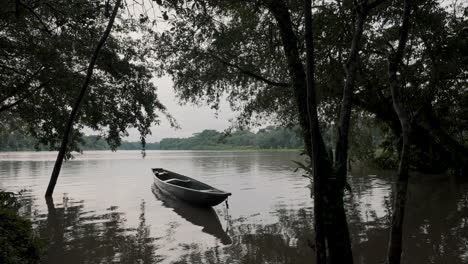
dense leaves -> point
(17, 240)
(46, 46)
(265, 138)
(222, 47)
(215, 48)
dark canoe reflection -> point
(204, 217)
(73, 235)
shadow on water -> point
(73, 235)
(204, 217)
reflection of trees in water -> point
(368, 231)
(436, 231)
(73, 235)
(15, 169)
(286, 241)
(247, 161)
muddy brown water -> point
(106, 210)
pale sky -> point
(190, 118)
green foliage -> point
(51, 43)
(19, 141)
(235, 49)
(98, 143)
(268, 138)
(221, 39)
(17, 241)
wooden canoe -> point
(188, 189)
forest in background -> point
(265, 138)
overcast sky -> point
(190, 118)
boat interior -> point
(187, 183)
(179, 182)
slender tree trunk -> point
(396, 241)
(76, 107)
(318, 148)
(336, 221)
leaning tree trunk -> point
(396, 240)
(79, 99)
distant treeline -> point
(266, 138)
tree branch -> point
(403, 33)
(23, 84)
(38, 18)
(374, 4)
(250, 73)
(22, 99)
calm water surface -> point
(106, 209)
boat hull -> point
(195, 195)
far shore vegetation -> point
(266, 138)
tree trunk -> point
(279, 10)
(395, 242)
(332, 234)
(336, 221)
(318, 146)
(76, 107)
(338, 237)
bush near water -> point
(18, 244)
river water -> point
(107, 210)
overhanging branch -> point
(250, 73)
(22, 85)
(22, 99)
